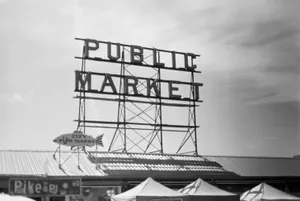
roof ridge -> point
(257, 157)
(202, 156)
(29, 150)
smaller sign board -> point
(102, 193)
(44, 187)
(57, 198)
(166, 199)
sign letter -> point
(196, 90)
(186, 61)
(109, 52)
(87, 47)
(81, 80)
(18, 185)
(154, 86)
(155, 62)
(108, 82)
(171, 89)
(173, 59)
(38, 188)
(133, 85)
(53, 188)
(136, 57)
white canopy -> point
(265, 192)
(201, 190)
(5, 197)
(150, 190)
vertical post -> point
(81, 109)
(194, 111)
(78, 158)
(96, 162)
(121, 104)
(83, 68)
(82, 112)
(160, 108)
(59, 156)
(124, 105)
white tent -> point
(150, 190)
(201, 190)
(5, 197)
(265, 192)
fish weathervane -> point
(78, 139)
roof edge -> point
(204, 156)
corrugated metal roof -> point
(37, 163)
(259, 166)
(118, 164)
(104, 164)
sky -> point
(250, 63)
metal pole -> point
(160, 109)
(59, 156)
(124, 105)
(195, 120)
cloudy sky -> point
(250, 63)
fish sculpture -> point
(78, 139)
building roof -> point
(39, 163)
(103, 164)
(139, 166)
(259, 166)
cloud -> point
(263, 51)
(12, 98)
(16, 97)
(265, 86)
(262, 34)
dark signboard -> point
(166, 199)
(45, 187)
(57, 198)
(96, 193)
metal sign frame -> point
(154, 128)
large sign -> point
(106, 83)
(44, 187)
(101, 83)
(136, 55)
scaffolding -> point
(139, 122)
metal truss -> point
(139, 125)
(145, 140)
(191, 134)
(82, 102)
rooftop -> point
(104, 164)
(259, 166)
(136, 165)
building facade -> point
(103, 174)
